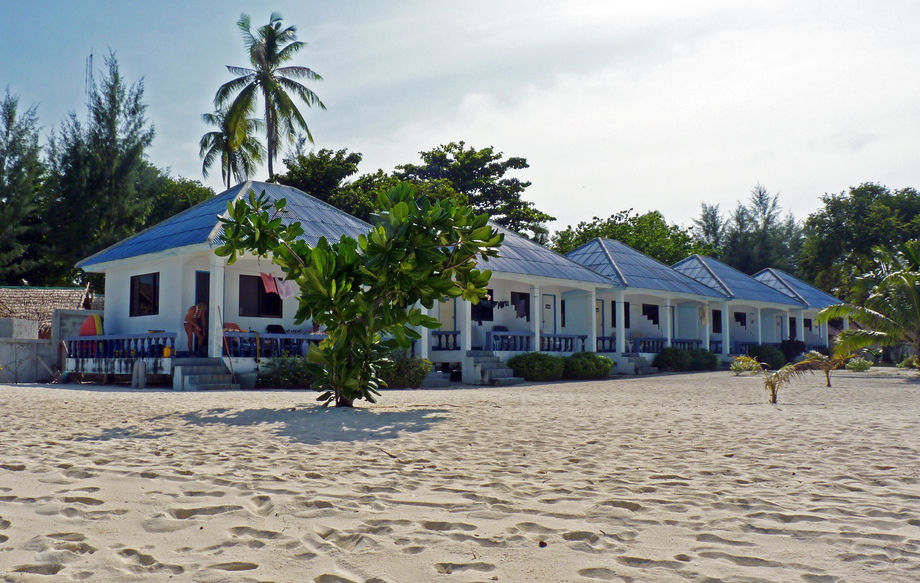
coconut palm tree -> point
(239, 151)
(890, 315)
(270, 81)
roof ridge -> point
(718, 279)
(217, 227)
(663, 264)
(616, 267)
(786, 284)
(548, 250)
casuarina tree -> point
(368, 293)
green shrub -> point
(587, 365)
(673, 359)
(909, 362)
(858, 364)
(701, 359)
(791, 349)
(285, 372)
(769, 355)
(405, 371)
(536, 366)
(742, 364)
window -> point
(717, 321)
(808, 324)
(613, 314)
(145, 295)
(650, 311)
(521, 304)
(741, 318)
(254, 301)
(483, 311)
(562, 313)
(792, 330)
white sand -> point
(676, 478)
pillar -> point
(423, 344)
(216, 309)
(621, 323)
(759, 327)
(667, 322)
(591, 345)
(800, 327)
(846, 323)
(536, 313)
(465, 324)
(726, 331)
(704, 318)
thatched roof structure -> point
(38, 303)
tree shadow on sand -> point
(323, 424)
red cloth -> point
(269, 283)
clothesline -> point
(278, 286)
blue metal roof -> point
(737, 285)
(199, 224)
(627, 267)
(521, 255)
(796, 288)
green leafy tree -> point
(366, 292)
(238, 150)
(92, 197)
(483, 177)
(648, 233)
(273, 81)
(327, 175)
(22, 174)
(170, 195)
(890, 314)
(839, 238)
(757, 236)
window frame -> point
(134, 295)
(262, 300)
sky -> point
(615, 105)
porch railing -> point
(649, 345)
(509, 341)
(151, 345)
(686, 343)
(563, 342)
(606, 343)
(445, 340)
(268, 345)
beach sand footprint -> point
(448, 568)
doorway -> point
(548, 315)
(599, 318)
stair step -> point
(199, 369)
(490, 364)
(480, 353)
(507, 381)
(207, 379)
(436, 383)
(497, 373)
(198, 361)
(642, 370)
(215, 387)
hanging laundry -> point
(285, 288)
(269, 283)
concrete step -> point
(643, 370)
(436, 379)
(489, 364)
(497, 373)
(215, 387)
(208, 379)
(197, 369)
(507, 381)
(480, 353)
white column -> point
(825, 334)
(621, 323)
(846, 323)
(591, 345)
(759, 327)
(800, 327)
(425, 340)
(667, 322)
(465, 325)
(704, 322)
(216, 312)
(536, 313)
(726, 332)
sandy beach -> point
(667, 478)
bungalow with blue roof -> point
(813, 333)
(752, 311)
(647, 306)
(538, 300)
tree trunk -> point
(341, 401)
(827, 373)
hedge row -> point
(537, 366)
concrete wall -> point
(18, 328)
(19, 358)
(64, 324)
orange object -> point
(91, 326)
(167, 352)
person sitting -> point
(195, 326)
